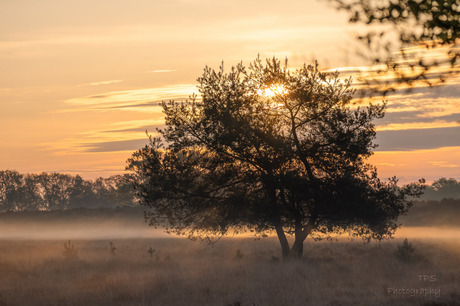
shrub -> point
(238, 255)
(406, 252)
(70, 251)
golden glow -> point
(77, 76)
(417, 125)
(273, 90)
(409, 166)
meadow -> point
(235, 271)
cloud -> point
(127, 127)
(416, 164)
(389, 164)
(389, 140)
(414, 116)
(151, 104)
(417, 139)
(132, 99)
(427, 107)
(347, 71)
(94, 170)
(112, 137)
(423, 108)
(115, 146)
(121, 131)
(148, 128)
(101, 83)
(162, 71)
(448, 90)
(418, 125)
(443, 164)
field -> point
(181, 272)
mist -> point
(77, 224)
(129, 223)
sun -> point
(273, 90)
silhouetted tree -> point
(32, 199)
(51, 191)
(443, 188)
(11, 183)
(55, 189)
(121, 191)
(268, 149)
(412, 28)
(116, 190)
(81, 193)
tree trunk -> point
(300, 235)
(283, 242)
(297, 248)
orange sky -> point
(79, 80)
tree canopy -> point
(265, 149)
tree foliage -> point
(418, 27)
(268, 149)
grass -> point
(190, 273)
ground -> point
(182, 272)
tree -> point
(51, 191)
(11, 183)
(18, 192)
(403, 47)
(80, 193)
(268, 149)
(443, 188)
(55, 189)
(32, 198)
(121, 190)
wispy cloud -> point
(423, 108)
(115, 146)
(162, 71)
(106, 170)
(132, 99)
(118, 136)
(101, 83)
(136, 95)
(125, 130)
(417, 125)
(415, 164)
(353, 70)
(443, 164)
(389, 164)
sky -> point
(80, 81)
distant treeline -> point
(445, 212)
(57, 191)
(442, 188)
